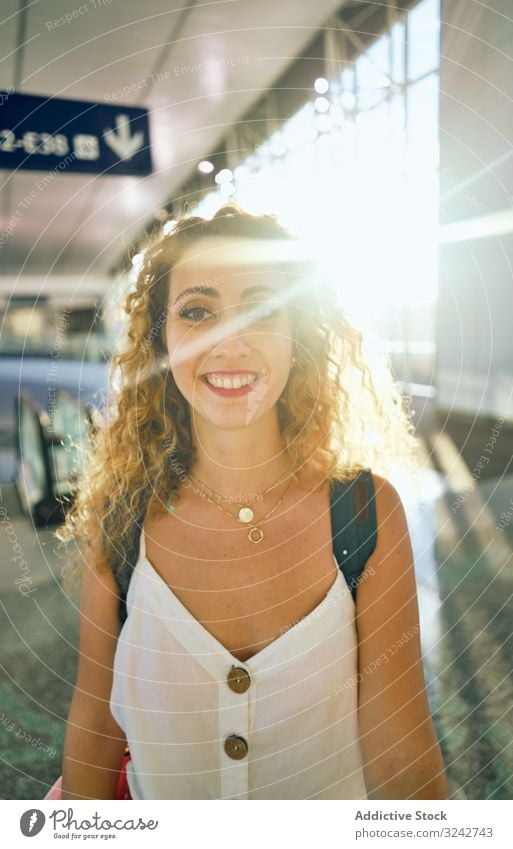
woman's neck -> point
(239, 461)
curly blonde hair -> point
(336, 416)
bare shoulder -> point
(99, 597)
(389, 508)
(393, 544)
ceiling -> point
(82, 224)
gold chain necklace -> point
(245, 515)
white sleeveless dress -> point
(295, 725)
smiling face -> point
(229, 332)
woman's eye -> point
(195, 313)
(264, 312)
(257, 313)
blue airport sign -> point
(73, 136)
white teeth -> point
(229, 383)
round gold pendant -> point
(246, 515)
(256, 535)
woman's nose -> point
(234, 335)
(232, 346)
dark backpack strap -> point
(125, 565)
(354, 526)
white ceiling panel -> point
(9, 40)
(96, 51)
(152, 54)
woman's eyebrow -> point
(210, 292)
(197, 290)
(254, 290)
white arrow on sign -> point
(121, 142)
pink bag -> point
(55, 791)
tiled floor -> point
(465, 585)
(38, 639)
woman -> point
(244, 669)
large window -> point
(355, 172)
